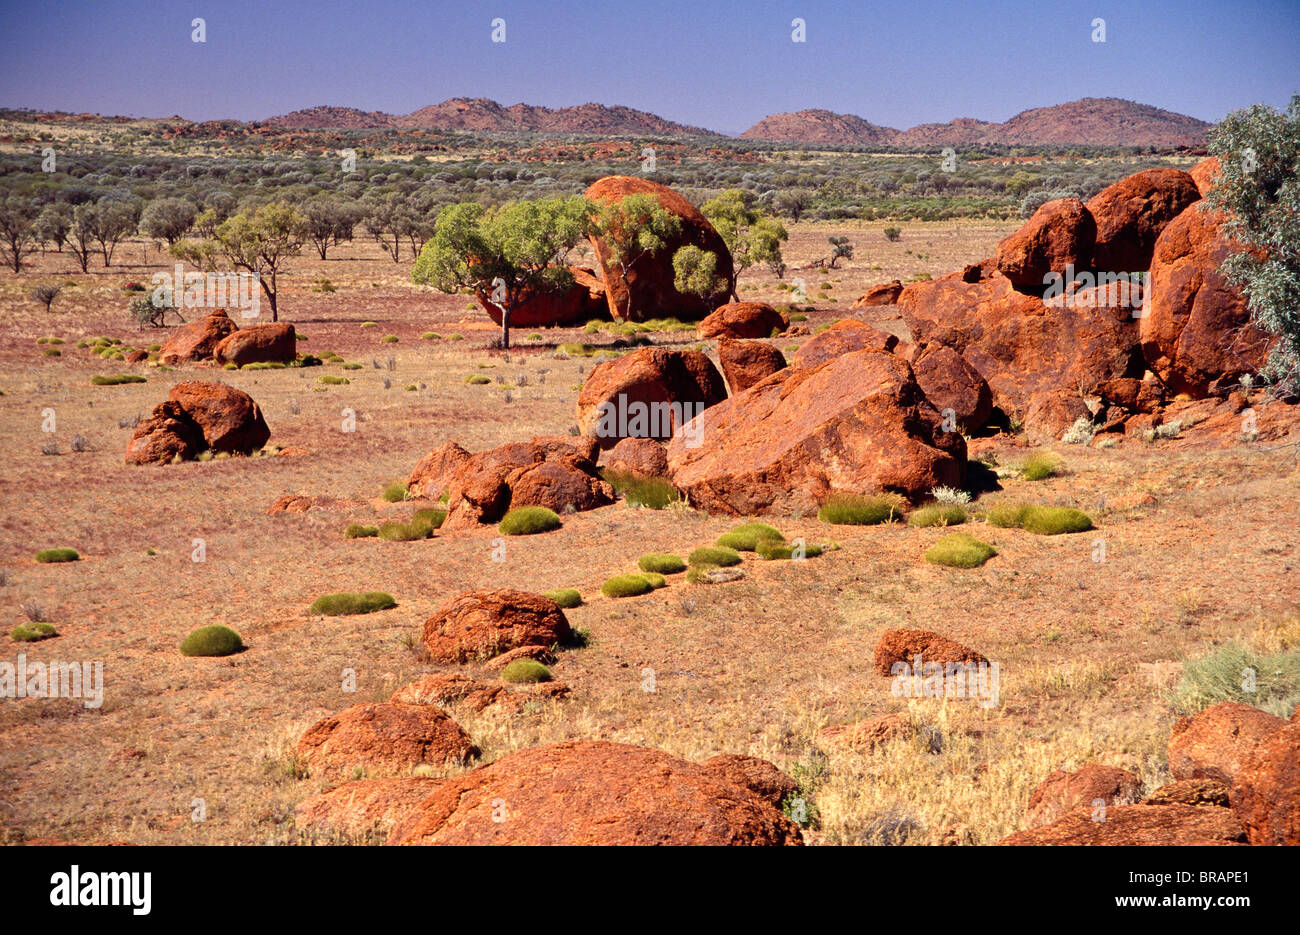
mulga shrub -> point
(663, 563)
(718, 555)
(528, 521)
(212, 641)
(960, 550)
(347, 602)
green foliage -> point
(357, 531)
(213, 640)
(849, 509)
(330, 380)
(638, 490)
(626, 586)
(1040, 466)
(960, 550)
(1235, 673)
(346, 603)
(1007, 515)
(1054, 520)
(892, 234)
(565, 597)
(32, 632)
(477, 379)
(937, 514)
(395, 492)
(714, 555)
(750, 235)
(699, 574)
(654, 579)
(528, 521)
(525, 670)
(663, 563)
(773, 549)
(745, 538)
(46, 556)
(1259, 190)
(404, 532)
(430, 516)
(695, 272)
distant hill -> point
(819, 126)
(1093, 121)
(482, 114)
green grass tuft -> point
(348, 602)
(714, 555)
(774, 549)
(746, 538)
(330, 380)
(653, 493)
(565, 597)
(938, 514)
(212, 641)
(664, 563)
(1054, 520)
(626, 586)
(528, 521)
(1228, 672)
(404, 532)
(1040, 466)
(356, 531)
(654, 579)
(32, 632)
(1007, 515)
(395, 492)
(477, 379)
(47, 556)
(960, 550)
(116, 379)
(430, 517)
(525, 670)
(850, 509)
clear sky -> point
(718, 64)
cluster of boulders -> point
(216, 338)
(579, 792)
(1236, 772)
(198, 416)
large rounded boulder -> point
(745, 363)
(1196, 332)
(229, 419)
(743, 320)
(478, 625)
(1131, 214)
(1060, 234)
(646, 288)
(858, 423)
(383, 739)
(582, 301)
(595, 793)
(198, 339)
(648, 393)
(273, 343)
(1214, 743)
(951, 383)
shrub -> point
(116, 379)
(714, 555)
(654, 579)
(389, 339)
(528, 521)
(525, 670)
(212, 641)
(32, 632)
(626, 586)
(430, 517)
(347, 602)
(577, 350)
(330, 380)
(52, 352)
(404, 532)
(938, 514)
(47, 556)
(663, 563)
(849, 509)
(356, 531)
(477, 379)
(1080, 433)
(774, 549)
(341, 379)
(565, 597)
(893, 233)
(431, 336)
(1222, 675)
(949, 495)
(1040, 466)
(1007, 515)
(745, 538)
(1054, 520)
(395, 492)
(960, 550)
(699, 574)
(638, 490)
(369, 324)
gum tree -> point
(508, 253)
(750, 235)
(1259, 191)
(633, 229)
(17, 230)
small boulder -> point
(383, 738)
(273, 343)
(433, 473)
(1205, 174)
(1063, 791)
(1060, 234)
(757, 775)
(1214, 743)
(478, 625)
(742, 320)
(745, 363)
(866, 735)
(843, 337)
(883, 294)
(167, 434)
(198, 339)
(904, 645)
(648, 393)
(950, 382)
(643, 456)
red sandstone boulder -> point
(1060, 234)
(136, 357)
(1207, 792)
(858, 423)
(1266, 790)
(1205, 174)
(478, 625)
(228, 418)
(904, 645)
(866, 735)
(743, 320)
(476, 694)
(758, 776)
(1021, 346)
(364, 807)
(433, 473)
(166, 435)
(565, 485)
(583, 301)
(1131, 214)
(646, 289)
(1214, 743)
(949, 382)
(648, 393)
(383, 738)
(276, 343)
(198, 339)
(843, 337)
(1136, 825)
(1051, 413)
(1063, 791)
(883, 294)
(643, 456)
(594, 793)
(1196, 333)
(745, 363)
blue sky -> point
(712, 63)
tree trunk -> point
(505, 327)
